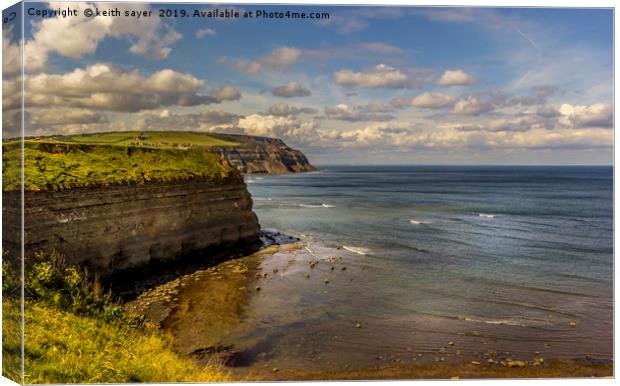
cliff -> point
(264, 155)
(250, 154)
(114, 208)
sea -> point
(434, 264)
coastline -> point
(209, 316)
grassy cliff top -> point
(151, 139)
(56, 165)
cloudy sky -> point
(368, 85)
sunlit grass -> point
(155, 139)
(60, 165)
(62, 347)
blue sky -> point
(371, 84)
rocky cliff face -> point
(113, 228)
(264, 155)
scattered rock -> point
(572, 324)
(275, 270)
(344, 268)
(307, 276)
(475, 363)
(516, 364)
(326, 280)
(258, 288)
(450, 343)
(275, 369)
(358, 325)
(332, 268)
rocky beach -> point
(222, 314)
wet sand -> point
(272, 316)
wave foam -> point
(316, 206)
(486, 215)
(357, 250)
(506, 322)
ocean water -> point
(486, 258)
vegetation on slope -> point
(53, 165)
(76, 333)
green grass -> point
(62, 347)
(77, 333)
(53, 165)
(153, 139)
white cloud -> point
(11, 53)
(279, 59)
(456, 78)
(64, 116)
(75, 37)
(291, 89)
(345, 112)
(472, 105)
(380, 76)
(226, 93)
(204, 32)
(427, 100)
(502, 124)
(377, 107)
(596, 115)
(288, 127)
(284, 109)
(104, 86)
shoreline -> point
(554, 368)
(226, 334)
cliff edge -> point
(250, 154)
(264, 155)
(112, 208)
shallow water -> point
(442, 264)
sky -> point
(368, 85)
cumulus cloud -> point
(76, 37)
(380, 76)
(11, 52)
(226, 93)
(472, 105)
(515, 124)
(548, 111)
(288, 127)
(377, 107)
(279, 59)
(204, 121)
(64, 116)
(426, 100)
(345, 112)
(291, 89)
(104, 86)
(596, 115)
(284, 109)
(204, 32)
(456, 78)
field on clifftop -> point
(58, 165)
(153, 139)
